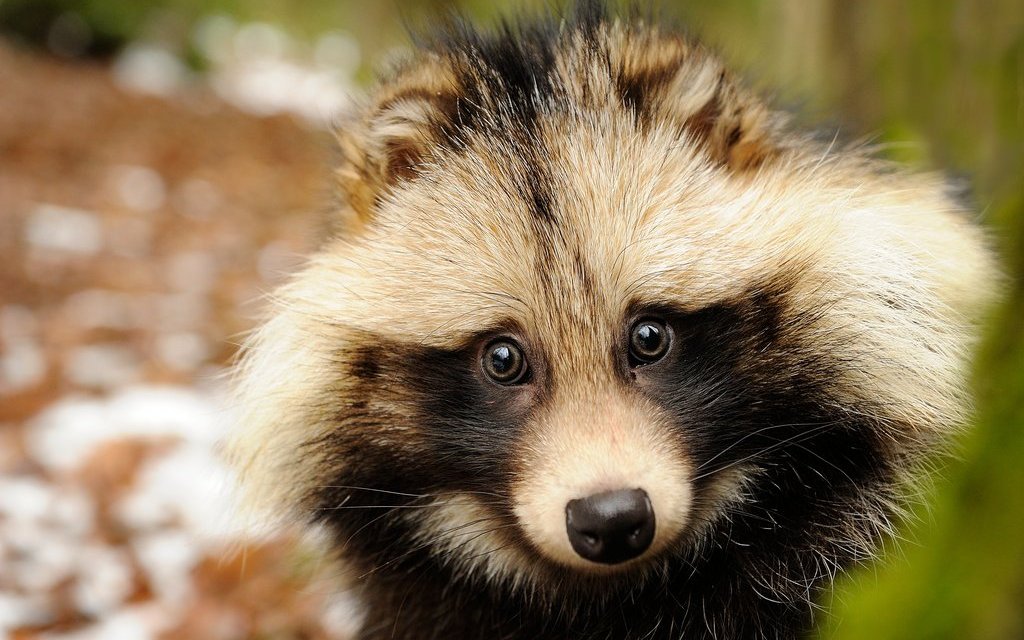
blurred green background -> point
(939, 82)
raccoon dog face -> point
(601, 324)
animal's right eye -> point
(504, 362)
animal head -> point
(599, 311)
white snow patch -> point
(21, 366)
(146, 68)
(189, 487)
(64, 229)
(168, 558)
(268, 87)
(29, 499)
(139, 188)
(261, 69)
(24, 498)
(39, 557)
(72, 512)
(178, 511)
(64, 435)
(105, 580)
(22, 611)
(42, 527)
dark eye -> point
(648, 342)
(504, 362)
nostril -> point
(611, 527)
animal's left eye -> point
(649, 341)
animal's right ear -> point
(392, 136)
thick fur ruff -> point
(552, 182)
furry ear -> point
(735, 129)
(387, 142)
(663, 77)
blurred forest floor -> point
(138, 233)
(148, 199)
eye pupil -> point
(501, 359)
(504, 362)
(648, 337)
(648, 342)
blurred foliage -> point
(940, 83)
(941, 86)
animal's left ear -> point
(387, 142)
(671, 79)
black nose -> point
(610, 527)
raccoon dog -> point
(606, 350)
